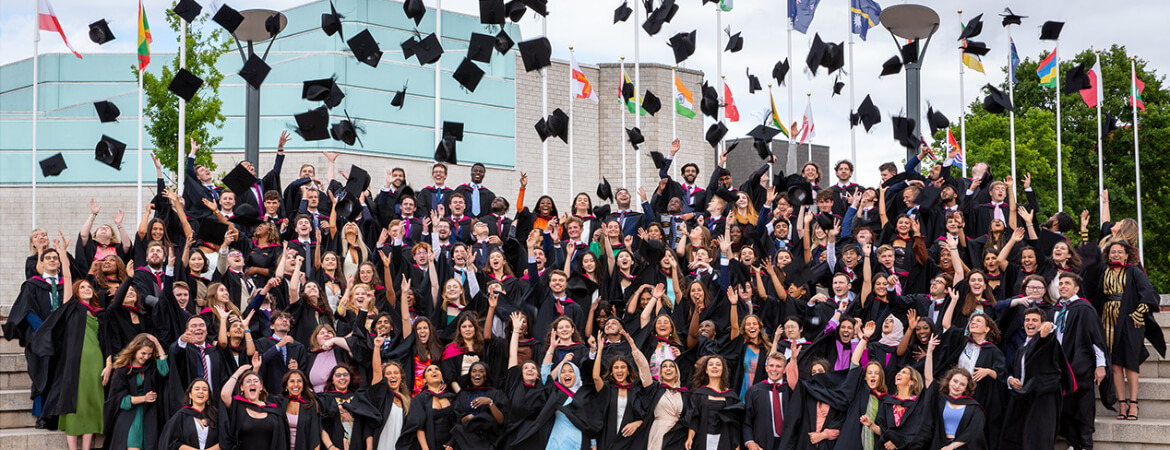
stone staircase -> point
(1152, 431)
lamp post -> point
(252, 31)
(913, 23)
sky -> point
(588, 27)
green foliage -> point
(204, 109)
(988, 140)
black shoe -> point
(42, 423)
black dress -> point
(708, 417)
(434, 423)
(241, 431)
(181, 430)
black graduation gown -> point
(381, 398)
(180, 430)
(534, 433)
(524, 403)
(989, 392)
(676, 436)
(117, 328)
(274, 364)
(233, 428)
(758, 423)
(830, 388)
(434, 423)
(482, 432)
(971, 425)
(358, 405)
(59, 341)
(494, 354)
(910, 433)
(1129, 349)
(124, 384)
(637, 404)
(1032, 413)
(723, 417)
(306, 318)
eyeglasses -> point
(341, 375)
(1034, 288)
(235, 254)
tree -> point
(203, 111)
(988, 140)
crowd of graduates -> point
(929, 312)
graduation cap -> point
(800, 191)
(492, 12)
(936, 119)
(635, 136)
(1077, 79)
(541, 127)
(910, 52)
(405, 192)
(313, 125)
(710, 102)
(228, 18)
(503, 42)
(239, 180)
(537, 6)
(715, 133)
(244, 215)
(453, 130)
(515, 10)
(837, 86)
(331, 22)
(399, 98)
(1050, 31)
(53, 165)
(622, 13)
(1010, 18)
(780, 71)
(659, 16)
(414, 9)
(184, 84)
(107, 111)
(753, 82)
(99, 32)
(1109, 124)
(761, 138)
(867, 114)
(536, 53)
(973, 28)
(604, 190)
(725, 194)
(904, 131)
(272, 24)
(558, 125)
(109, 151)
(468, 74)
(659, 160)
(188, 10)
(345, 131)
(996, 102)
(891, 66)
(323, 90)
(734, 41)
(445, 151)
(211, 230)
(429, 49)
(480, 46)
(683, 45)
(650, 103)
(348, 208)
(816, 53)
(834, 57)
(358, 181)
(975, 48)
(365, 48)
(255, 71)
(408, 47)
(627, 90)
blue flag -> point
(1015, 61)
(800, 12)
(864, 15)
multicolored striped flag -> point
(970, 60)
(684, 99)
(1047, 70)
(776, 117)
(633, 102)
(1135, 97)
(47, 21)
(144, 39)
(952, 144)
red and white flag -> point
(1093, 95)
(729, 109)
(808, 128)
(47, 21)
(581, 86)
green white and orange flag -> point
(684, 100)
(144, 39)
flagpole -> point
(637, 89)
(790, 158)
(673, 117)
(624, 104)
(544, 113)
(1137, 158)
(439, 81)
(719, 78)
(1012, 111)
(571, 95)
(1059, 153)
(962, 107)
(35, 110)
(810, 124)
(181, 161)
(852, 129)
(141, 73)
(1100, 157)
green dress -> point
(90, 394)
(134, 439)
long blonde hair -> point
(748, 217)
(126, 357)
(1127, 230)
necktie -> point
(211, 190)
(284, 354)
(777, 413)
(54, 302)
(689, 193)
(204, 365)
(406, 229)
(998, 212)
(500, 225)
(438, 196)
(475, 200)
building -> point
(498, 117)
(743, 161)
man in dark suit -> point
(271, 180)
(694, 198)
(430, 197)
(479, 197)
(773, 409)
(279, 352)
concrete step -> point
(13, 347)
(15, 400)
(16, 419)
(1146, 433)
(29, 438)
(20, 380)
(13, 363)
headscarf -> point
(893, 337)
(576, 380)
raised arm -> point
(1013, 219)
(882, 206)
(733, 298)
(407, 325)
(598, 383)
(912, 321)
(1002, 259)
(950, 312)
(514, 340)
(928, 371)
(639, 360)
(94, 209)
(867, 274)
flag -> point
(47, 21)
(726, 5)
(634, 102)
(807, 127)
(729, 109)
(684, 100)
(1047, 70)
(952, 144)
(1093, 95)
(776, 117)
(800, 13)
(1135, 97)
(865, 16)
(581, 86)
(144, 39)
(1015, 61)
(970, 60)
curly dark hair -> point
(945, 386)
(701, 378)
